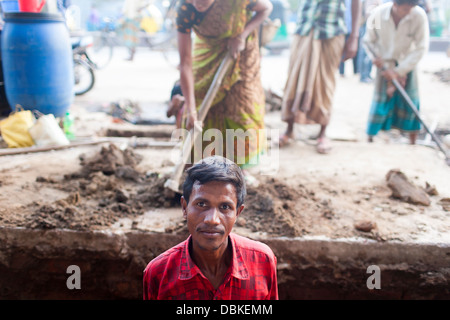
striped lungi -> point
(130, 32)
(394, 112)
(311, 81)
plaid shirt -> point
(251, 275)
(325, 17)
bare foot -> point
(285, 139)
(323, 146)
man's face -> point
(402, 10)
(202, 5)
(211, 214)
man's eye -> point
(226, 207)
(201, 204)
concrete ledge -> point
(33, 265)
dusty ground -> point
(332, 196)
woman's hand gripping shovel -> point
(174, 182)
(411, 105)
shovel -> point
(174, 182)
(415, 111)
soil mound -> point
(277, 208)
(108, 187)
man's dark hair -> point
(215, 168)
(410, 2)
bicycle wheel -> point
(166, 43)
(165, 40)
(84, 77)
(101, 51)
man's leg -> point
(288, 134)
(323, 144)
(413, 137)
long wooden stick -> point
(133, 143)
(174, 182)
(15, 151)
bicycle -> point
(84, 77)
(165, 39)
(100, 53)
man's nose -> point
(212, 216)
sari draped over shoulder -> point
(240, 103)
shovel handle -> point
(195, 133)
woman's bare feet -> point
(285, 139)
(323, 145)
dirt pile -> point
(278, 209)
(107, 187)
(110, 184)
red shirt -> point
(251, 275)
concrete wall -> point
(33, 265)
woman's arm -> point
(187, 78)
(263, 8)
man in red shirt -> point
(213, 263)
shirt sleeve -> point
(273, 293)
(149, 293)
(251, 4)
(371, 36)
(421, 39)
(185, 17)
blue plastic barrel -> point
(37, 62)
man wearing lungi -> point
(317, 49)
(398, 36)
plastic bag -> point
(14, 129)
(47, 132)
(269, 30)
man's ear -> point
(183, 206)
(239, 210)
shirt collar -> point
(189, 269)
(387, 14)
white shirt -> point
(406, 44)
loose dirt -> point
(106, 188)
(344, 194)
(124, 188)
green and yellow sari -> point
(240, 102)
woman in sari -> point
(223, 26)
